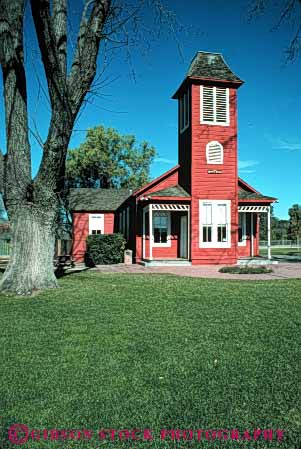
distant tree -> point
(294, 230)
(263, 230)
(280, 230)
(108, 159)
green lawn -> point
(152, 351)
(281, 252)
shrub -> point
(105, 249)
(246, 270)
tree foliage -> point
(294, 230)
(108, 159)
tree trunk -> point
(31, 264)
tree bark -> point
(31, 263)
(33, 204)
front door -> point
(183, 238)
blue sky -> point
(269, 103)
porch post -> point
(269, 232)
(143, 233)
(188, 234)
(252, 235)
(150, 231)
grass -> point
(281, 252)
(245, 270)
(152, 351)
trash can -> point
(128, 256)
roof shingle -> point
(244, 195)
(211, 66)
(176, 191)
(97, 199)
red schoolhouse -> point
(198, 212)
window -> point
(215, 105)
(161, 229)
(215, 226)
(242, 229)
(96, 224)
(184, 111)
(214, 153)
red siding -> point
(80, 224)
(213, 186)
(167, 182)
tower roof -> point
(211, 66)
(208, 66)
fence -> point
(62, 247)
(296, 244)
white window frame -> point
(214, 122)
(182, 111)
(215, 243)
(168, 243)
(96, 223)
(215, 142)
(244, 229)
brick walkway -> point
(280, 271)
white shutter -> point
(208, 104)
(221, 105)
(214, 153)
(215, 105)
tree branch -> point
(18, 162)
(60, 32)
(84, 64)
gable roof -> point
(243, 185)
(173, 191)
(248, 193)
(157, 180)
(243, 195)
(97, 199)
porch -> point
(248, 233)
(166, 234)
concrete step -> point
(166, 263)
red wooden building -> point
(200, 211)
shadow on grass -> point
(62, 272)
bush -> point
(104, 249)
(246, 270)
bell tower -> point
(207, 136)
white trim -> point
(171, 207)
(244, 229)
(258, 209)
(96, 223)
(143, 235)
(168, 243)
(214, 142)
(215, 243)
(150, 215)
(214, 122)
(252, 234)
(269, 233)
(188, 236)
